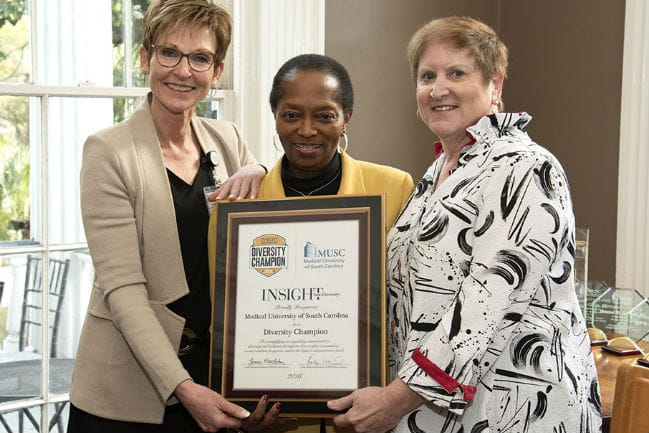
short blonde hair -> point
(165, 15)
(489, 52)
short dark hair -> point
(314, 62)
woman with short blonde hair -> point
(143, 358)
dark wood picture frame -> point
(372, 363)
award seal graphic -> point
(268, 254)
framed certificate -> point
(299, 302)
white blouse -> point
(483, 317)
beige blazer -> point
(127, 365)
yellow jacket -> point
(358, 177)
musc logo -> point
(312, 251)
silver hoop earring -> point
(343, 147)
(275, 145)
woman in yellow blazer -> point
(312, 101)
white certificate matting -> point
(296, 316)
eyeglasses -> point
(199, 61)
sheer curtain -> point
(632, 258)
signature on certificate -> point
(265, 361)
(316, 359)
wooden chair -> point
(631, 397)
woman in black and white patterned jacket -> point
(486, 334)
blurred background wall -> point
(565, 70)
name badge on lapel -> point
(213, 161)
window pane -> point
(19, 165)
(58, 413)
(21, 356)
(118, 55)
(76, 48)
(29, 418)
(122, 107)
(208, 109)
(226, 81)
(139, 7)
(72, 274)
(21, 319)
(81, 117)
(15, 49)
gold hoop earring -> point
(275, 145)
(343, 139)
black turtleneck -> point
(326, 183)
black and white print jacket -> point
(483, 317)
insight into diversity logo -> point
(268, 254)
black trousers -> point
(176, 419)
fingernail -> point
(278, 406)
(265, 397)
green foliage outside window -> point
(14, 125)
(11, 11)
(120, 106)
